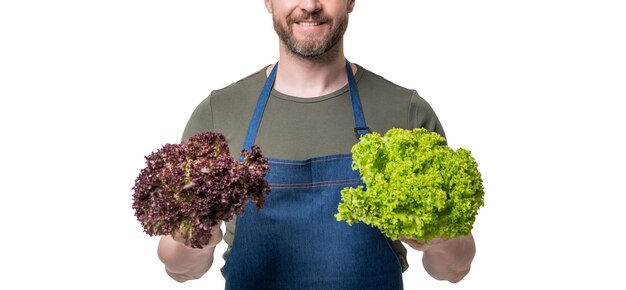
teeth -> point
(309, 23)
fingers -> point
(178, 237)
(412, 243)
(216, 236)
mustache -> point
(306, 16)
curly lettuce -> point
(414, 186)
(190, 187)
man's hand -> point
(446, 259)
(184, 263)
(421, 246)
(216, 237)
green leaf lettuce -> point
(416, 187)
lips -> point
(309, 23)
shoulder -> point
(239, 89)
(225, 104)
(249, 85)
(377, 86)
(392, 105)
(389, 91)
(234, 98)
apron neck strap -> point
(360, 128)
(255, 121)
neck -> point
(308, 78)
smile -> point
(309, 23)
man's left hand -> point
(446, 259)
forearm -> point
(450, 260)
(183, 263)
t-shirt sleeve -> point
(422, 115)
(201, 119)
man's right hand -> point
(216, 236)
(184, 263)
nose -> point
(311, 6)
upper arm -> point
(422, 115)
(201, 119)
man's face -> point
(310, 28)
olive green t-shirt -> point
(300, 128)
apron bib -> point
(294, 241)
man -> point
(306, 113)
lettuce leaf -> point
(190, 187)
(414, 186)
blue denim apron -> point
(295, 242)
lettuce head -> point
(415, 186)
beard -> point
(310, 48)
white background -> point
(534, 88)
